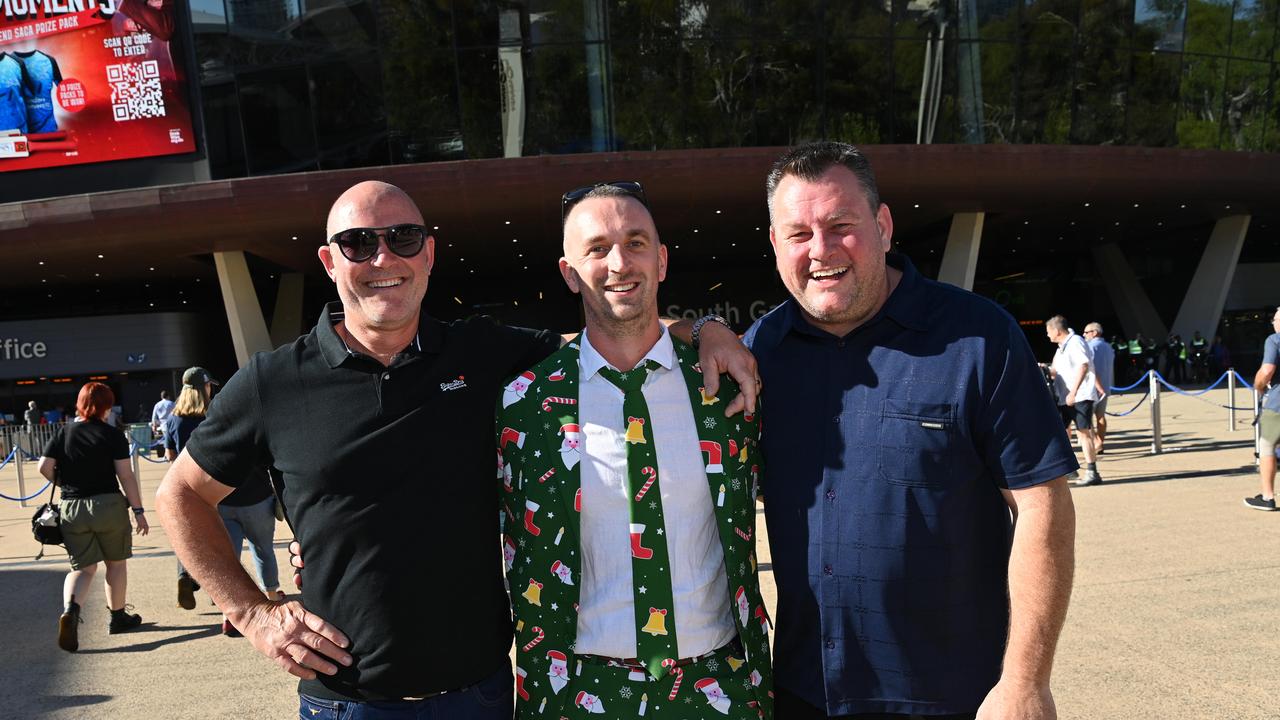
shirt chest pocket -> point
(920, 443)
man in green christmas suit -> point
(629, 501)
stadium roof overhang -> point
(481, 206)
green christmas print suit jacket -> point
(541, 495)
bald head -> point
(371, 198)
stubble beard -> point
(631, 322)
(862, 299)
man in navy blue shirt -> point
(920, 525)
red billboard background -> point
(98, 82)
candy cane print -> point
(548, 402)
(744, 535)
(679, 673)
(652, 475)
(547, 475)
(538, 635)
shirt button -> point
(831, 644)
(831, 494)
(828, 570)
(386, 376)
(836, 419)
(840, 343)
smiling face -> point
(614, 260)
(385, 292)
(1275, 321)
(830, 246)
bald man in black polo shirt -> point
(380, 422)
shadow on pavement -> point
(62, 702)
(201, 631)
(1185, 475)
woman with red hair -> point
(89, 460)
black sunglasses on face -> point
(360, 244)
(574, 196)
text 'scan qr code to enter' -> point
(135, 90)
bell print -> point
(735, 663)
(707, 399)
(657, 624)
(533, 593)
(635, 431)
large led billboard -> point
(85, 81)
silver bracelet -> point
(697, 328)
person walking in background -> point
(89, 460)
(248, 513)
(1077, 390)
(1268, 419)
(1219, 356)
(160, 416)
(1104, 371)
(32, 414)
(1175, 360)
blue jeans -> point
(490, 699)
(257, 524)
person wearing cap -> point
(629, 501)
(380, 422)
(248, 513)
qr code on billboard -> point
(135, 90)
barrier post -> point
(1231, 399)
(1156, 442)
(137, 468)
(1257, 429)
(18, 462)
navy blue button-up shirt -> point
(885, 452)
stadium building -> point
(164, 187)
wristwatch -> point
(697, 327)
(138, 510)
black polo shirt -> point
(389, 481)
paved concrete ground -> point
(1172, 613)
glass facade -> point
(290, 85)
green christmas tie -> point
(650, 568)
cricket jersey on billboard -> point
(42, 76)
(13, 91)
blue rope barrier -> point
(1133, 409)
(32, 496)
(6, 460)
(1140, 381)
(1180, 391)
(137, 450)
(30, 457)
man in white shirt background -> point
(1076, 389)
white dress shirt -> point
(1073, 352)
(606, 615)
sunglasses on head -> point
(360, 244)
(574, 196)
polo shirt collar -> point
(429, 339)
(590, 360)
(905, 306)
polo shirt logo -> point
(458, 384)
(932, 425)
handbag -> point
(46, 524)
